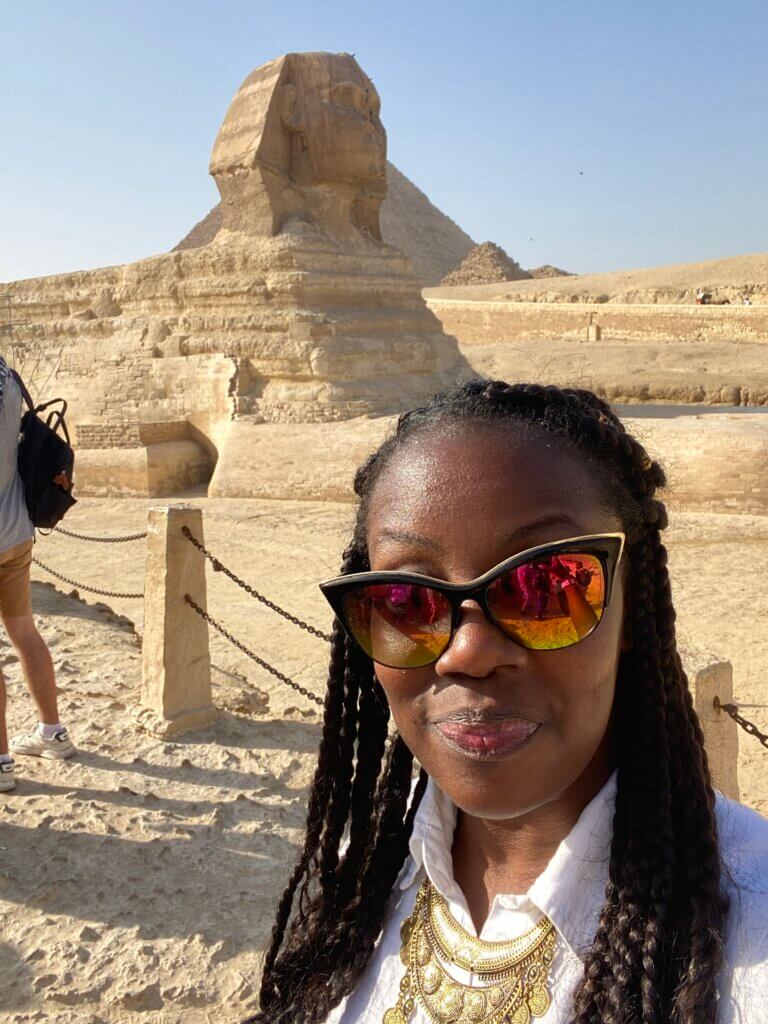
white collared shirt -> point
(570, 891)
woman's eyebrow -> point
(409, 538)
(558, 519)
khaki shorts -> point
(15, 596)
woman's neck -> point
(507, 856)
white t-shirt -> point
(15, 524)
(571, 891)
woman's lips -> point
(488, 739)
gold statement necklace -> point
(513, 974)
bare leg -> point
(3, 727)
(36, 664)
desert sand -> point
(729, 278)
(139, 880)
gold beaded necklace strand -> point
(514, 973)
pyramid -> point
(486, 264)
(547, 270)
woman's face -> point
(453, 504)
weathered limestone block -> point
(104, 304)
(146, 471)
(303, 137)
(176, 665)
(711, 678)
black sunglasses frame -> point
(606, 547)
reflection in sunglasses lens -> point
(551, 602)
(546, 603)
(403, 625)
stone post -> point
(721, 737)
(176, 666)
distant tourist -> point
(49, 739)
(746, 301)
(561, 854)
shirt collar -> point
(570, 890)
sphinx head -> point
(303, 139)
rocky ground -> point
(138, 881)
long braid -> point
(315, 813)
(319, 795)
(658, 944)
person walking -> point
(49, 738)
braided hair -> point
(658, 945)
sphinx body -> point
(296, 313)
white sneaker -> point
(59, 747)
(7, 780)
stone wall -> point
(487, 322)
(142, 471)
(133, 434)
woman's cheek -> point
(407, 701)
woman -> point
(562, 855)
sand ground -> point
(138, 882)
(730, 278)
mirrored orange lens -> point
(402, 625)
(549, 603)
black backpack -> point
(46, 461)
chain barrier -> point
(247, 651)
(98, 540)
(218, 567)
(747, 726)
(101, 540)
(82, 586)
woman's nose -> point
(477, 646)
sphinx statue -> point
(296, 315)
(303, 139)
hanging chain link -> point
(247, 651)
(747, 726)
(82, 586)
(218, 567)
(101, 540)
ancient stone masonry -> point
(475, 322)
(486, 264)
(297, 312)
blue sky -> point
(108, 112)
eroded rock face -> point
(297, 312)
(409, 222)
(303, 139)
